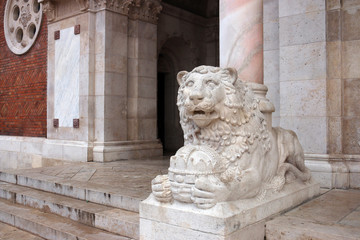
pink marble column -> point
(241, 38)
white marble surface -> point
(158, 220)
(67, 56)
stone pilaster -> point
(101, 127)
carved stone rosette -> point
(22, 23)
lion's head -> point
(219, 110)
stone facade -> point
(310, 67)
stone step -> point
(76, 189)
(119, 221)
(9, 232)
(50, 226)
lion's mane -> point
(239, 126)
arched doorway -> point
(175, 55)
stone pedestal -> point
(242, 219)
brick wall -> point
(23, 86)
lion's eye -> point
(211, 83)
(189, 83)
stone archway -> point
(175, 55)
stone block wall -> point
(23, 86)
(271, 55)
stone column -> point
(241, 46)
(241, 38)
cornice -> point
(145, 10)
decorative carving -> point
(146, 10)
(83, 4)
(49, 9)
(229, 153)
(22, 22)
(121, 6)
(25, 16)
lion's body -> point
(221, 112)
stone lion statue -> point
(229, 153)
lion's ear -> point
(233, 74)
(180, 76)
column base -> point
(112, 151)
(242, 219)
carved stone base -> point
(112, 151)
(243, 219)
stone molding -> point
(145, 10)
(22, 23)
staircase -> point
(73, 206)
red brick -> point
(23, 86)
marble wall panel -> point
(311, 64)
(311, 131)
(67, 59)
(293, 7)
(302, 28)
(303, 98)
(351, 59)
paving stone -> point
(332, 216)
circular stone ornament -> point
(22, 23)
